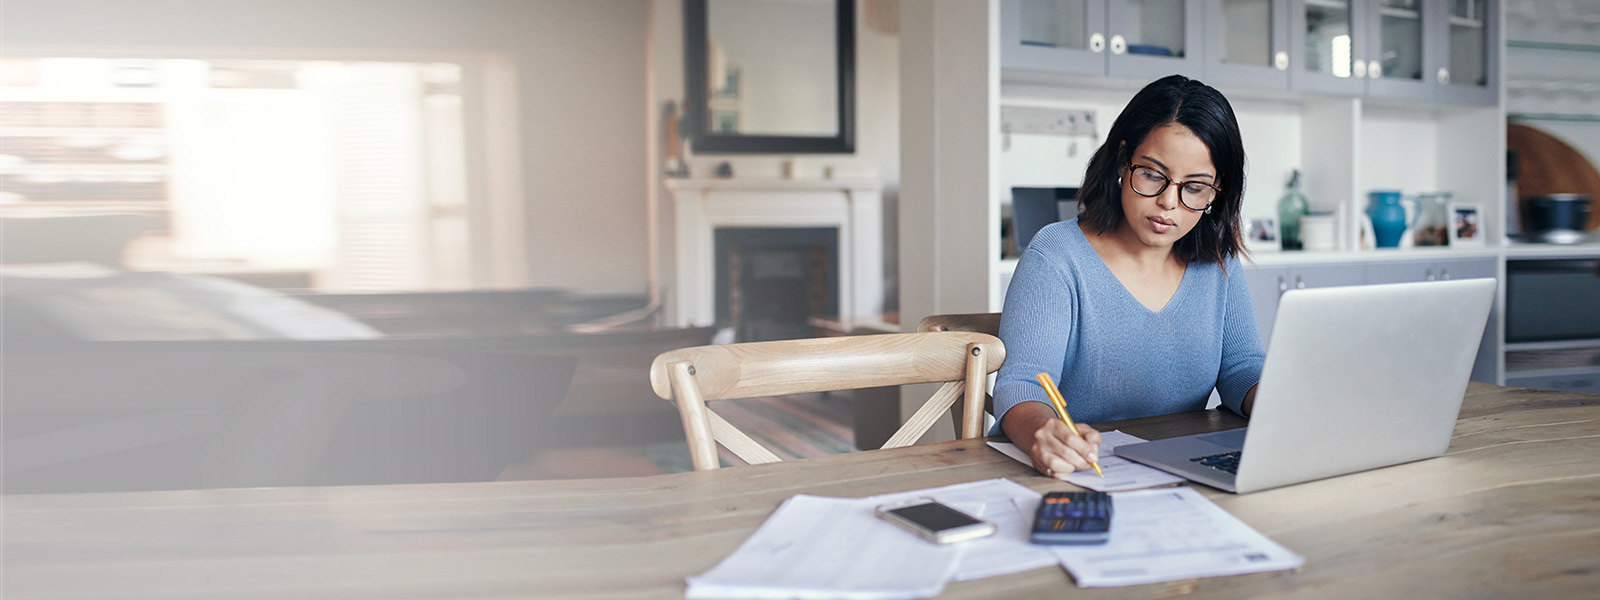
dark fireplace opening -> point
(772, 280)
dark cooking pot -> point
(1558, 213)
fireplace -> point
(772, 280)
(782, 222)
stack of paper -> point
(815, 547)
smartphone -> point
(936, 522)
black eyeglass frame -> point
(1166, 181)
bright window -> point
(343, 175)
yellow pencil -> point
(1061, 407)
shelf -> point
(1557, 345)
(1329, 4)
(1399, 13)
(1553, 46)
(1553, 117)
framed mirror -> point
(770, 76)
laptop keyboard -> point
(1227, 461)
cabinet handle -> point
(1097, 43)
(1283, 285)
(1444, 76)
(1299, 283)
(1427, 275)
(1359, 69)
(1281, 60)
(1119, 44)
(1374, 70)
(1444, 274)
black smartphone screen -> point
(934, 516)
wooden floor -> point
(797, 426)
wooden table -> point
(1512, 510)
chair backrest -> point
(977, 322)
(692, 376)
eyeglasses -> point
(1148, 182)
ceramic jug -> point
(1391, 222)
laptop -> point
(1355, 378)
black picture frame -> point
(701, 127)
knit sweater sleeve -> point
(1036, 325)
(1242, 353)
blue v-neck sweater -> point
(1066, 314)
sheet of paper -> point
(815, 547)
(1008, 550)
(1171, 533)
(1121, 473)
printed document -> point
(1121, 473)
(815, 547)
(1172, 533)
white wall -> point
(582, 83)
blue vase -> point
(1389, 222)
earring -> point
(1119, 181)
(1208, 209)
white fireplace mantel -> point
(853, 206)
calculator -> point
(1072, 518)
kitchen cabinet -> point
(1430, 270)
(1269, 283)
(1325, 37)
(1247, 43)
(1433, 51)
(1412, 50)
(1422, 50)
(1470, 68)
(1487, 367)
(1400, 46)
(1134, 38)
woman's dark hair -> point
(1201, 108)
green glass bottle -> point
(1290, 208)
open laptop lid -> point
(1362, 377)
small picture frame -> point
(1261, 234)
(1466, 225)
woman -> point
(1137, 307)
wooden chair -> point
(988, 323)
(977, 322)
(692, 376)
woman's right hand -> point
(1055, 450)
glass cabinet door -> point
(1396, 58)
(1153, 38)
(1247, 43)
(1151, 28)
(1327, 49)
(1466, 74)
(1055, 24)
(1066, 36)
